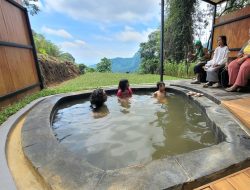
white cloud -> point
(92, 54)
(72, 44)
(131, 35)
(56, 32)
(108, 10)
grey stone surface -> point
(6, 180)
(160, 174)
(63, 169)
(212, 160)
(66, 171)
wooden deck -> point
(241, 109)
(236, 181)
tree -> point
(150, 54)
(32, 8)
(233, 5)
(46, 47)
(82, 68)
(104, 65)
(179, 28)
(67, 57)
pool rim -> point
(38, 125)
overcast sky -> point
(93, 29)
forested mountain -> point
(122, 65)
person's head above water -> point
(97, 98)
(161, 86)
(123, 84)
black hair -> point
(160, 83)
(123, 84)
(224, 40)
(97, 98)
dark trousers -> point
(198, 69)
(223, 77)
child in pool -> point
(97, 98)
(123, 89)
(161, 92)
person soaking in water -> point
(97, 99)
(239, 69)
(219, 60)
(123, 89)
(161, 92)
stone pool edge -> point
(59, 167)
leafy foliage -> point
(182, 70)
(90, 70)
(67, 57)
(233, 5)
(32, 8)
(150, 54)
(104, 65)
(179, 28)
(82, 68)
(46, 47)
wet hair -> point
(159, 84)
(97, 98)
(123, 84)
(224, 40)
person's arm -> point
(241, 52)
(155, 94)
(130, 92)
(119, 93)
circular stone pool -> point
(131, 133)
(78, 152)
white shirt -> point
(220, 56)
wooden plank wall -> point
(17, 65)
(236, 32)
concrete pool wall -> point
(62, 169)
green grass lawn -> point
(83, 82)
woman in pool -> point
(123, 89)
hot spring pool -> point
(121, 135)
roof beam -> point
(210, 2)
(214, 3)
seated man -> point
(199, 56)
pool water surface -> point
(131, 133)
